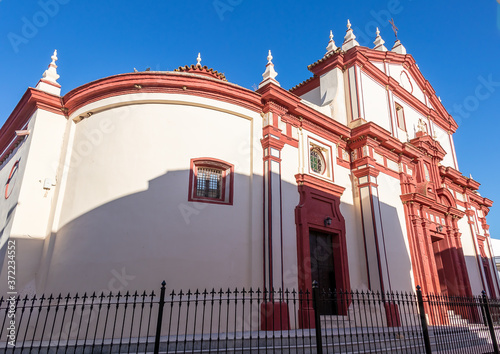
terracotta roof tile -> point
(197, 69)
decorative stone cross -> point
(394, 28)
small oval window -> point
(317, 161)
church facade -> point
(349, 178)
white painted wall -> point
(375, 103)
(313, 96)
(412, 118)
(405, 79)
(470, 256)
(125, 207)
(35, 201)
(27, 211)
(290, 195)
(395, 233)
(444, 139)
(350, 209)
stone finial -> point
(269, 57)
(198, 60)
(398, 47)
(349, 39)
(331, 44)
(48, 82)
(270, 74)
(379, 43)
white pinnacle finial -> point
(398, 47)
(198, 60)
(331, 45)
(379, 42)
(349, 39)
(54, 57)
(270, 74)
(48, 82)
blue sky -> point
(456, 45)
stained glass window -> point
(317, 161)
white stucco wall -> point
(470, 256)
(27, 210)
(444, 139)
(313, 96)
(290, 199)
(412, 118)
(35, 198)
(8, 206)
(375, 103)
(395, 233)
(350, 209)
(405, 79)
(125, 205)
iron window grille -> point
(211, 181)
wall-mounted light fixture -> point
(439, 228)
(328, 221)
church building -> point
(349, 178)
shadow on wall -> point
(8, 218)
(4, 238)
(398, 262)
(136, 241)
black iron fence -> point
(249, 321)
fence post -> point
(317, 319)
(490, 322)
(160, 317)
(423, 320)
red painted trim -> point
(452, 146)
(364, 240)
(319, 199)
(363, 56)
(400, 77)
(50, 83)
(306, 86)
(32, 100)
(269, 225)
(212, 163)
(358, 90)
(396, 105)
(168, 82)
(330, 163)
(264, 163)
(383, 240)
(297, 108)
(375, 235)
(281, 235)
(349, 91)
(14, 168)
